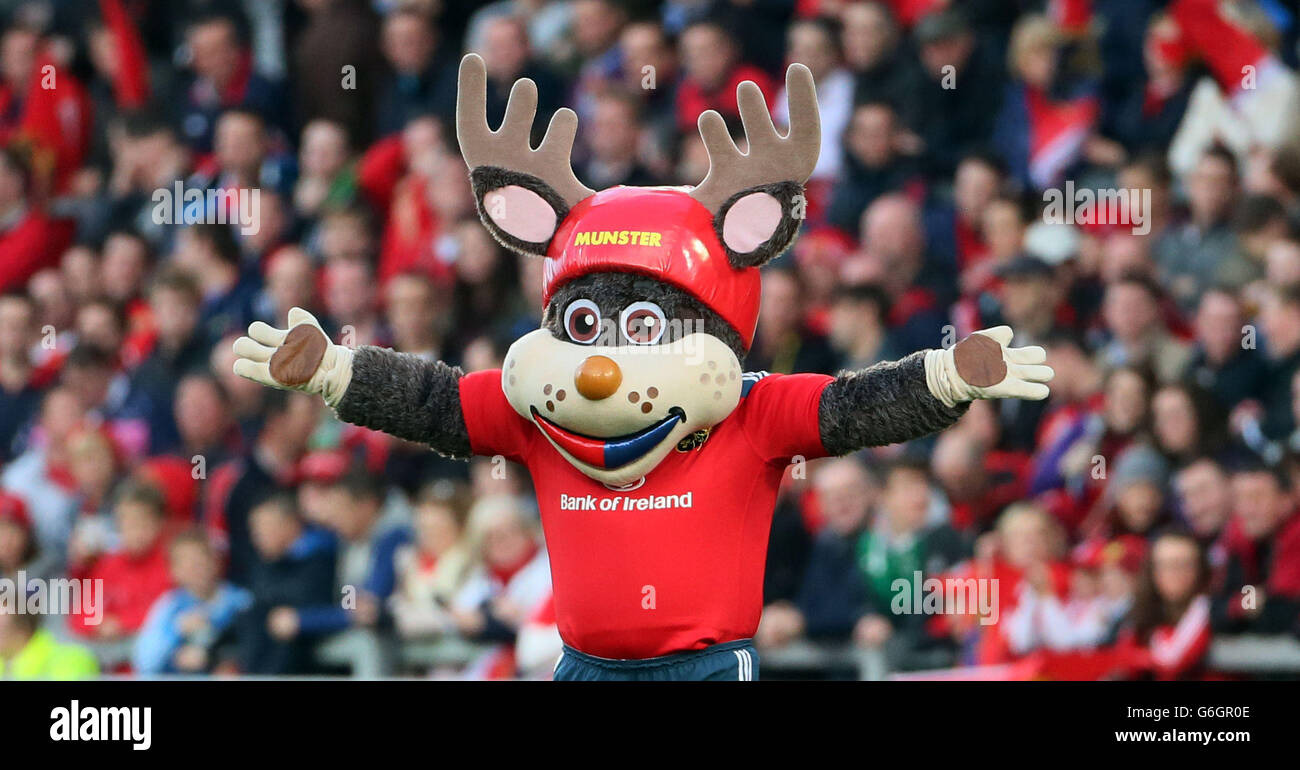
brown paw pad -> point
(298, 357)
(979, 361)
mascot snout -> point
(598, 377)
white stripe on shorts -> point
(744, 666)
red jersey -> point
(674, 562)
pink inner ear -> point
(520, 212)
(751, 221)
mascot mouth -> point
(614, 451)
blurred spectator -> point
(19, 389)
(1225, 362)
(28, 241)
(872, 164)
(1170, 620)
(508, 54)
(872, 44)
(133, 574)
(181, 347)
(29, 652)
(1046, 118)
(1190, 258)
(1138, 331)
(858, 326)
(432, 568)
(1205, 500)
(1280, 323)
(1260, 589)
(614, 136)
(336, 35)
(1186, 424)
(713, 69)
(951, 119)
(1135, 494)
(19, 549)
(816, 44)
(417, 71)
(783, 342)
(186, 626)
(326, 178)
(509, 579)
(223, 78)
(366, 573)
(210, 254)
(1099, 596)
(294, 569)
(895, 257)
(266, 467)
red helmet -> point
(660, 232)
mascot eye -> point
(582, 321)
(643, 323)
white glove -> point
(331, 376)
(994, 370)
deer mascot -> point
(655, 457)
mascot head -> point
(651, 293)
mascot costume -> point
(655, 457)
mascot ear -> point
(522, 194)
(757, 197)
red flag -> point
(131, 81)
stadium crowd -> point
(1147, 508)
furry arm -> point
(397, 393)
(408, 397)
(883, 404)
(928, 391)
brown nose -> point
(597, 377)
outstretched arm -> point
(397, 393)
(927, 391)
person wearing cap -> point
(19, 549)
(1135, 497)
(1029, 298)
(961, 90)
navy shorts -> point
(727, 662)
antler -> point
(510, 146)
(771, 157)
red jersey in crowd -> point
(676, 562)
(1174, 651)
(132, 583)
(693, 99)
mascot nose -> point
(597, 377)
